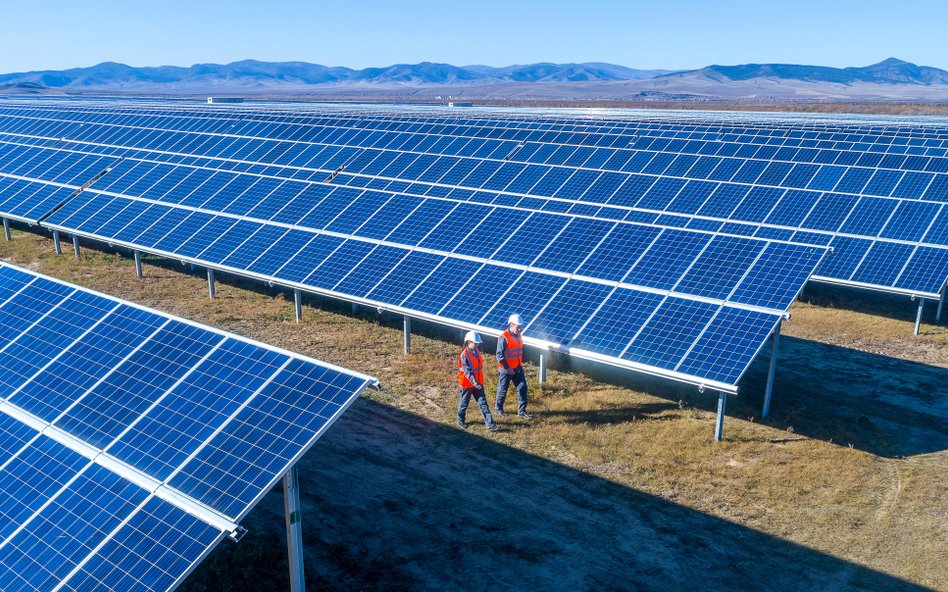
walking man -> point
(510, 362)
(471, 381)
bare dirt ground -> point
(617, 484)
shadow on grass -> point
(883, 405)
(393, 501)
(614, 415)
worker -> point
(510, 363)
(471, 381)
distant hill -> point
(251, 73)
(889, 80)
(890, 71)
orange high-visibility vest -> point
(513, 350)
(477, 365)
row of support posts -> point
(57, 243)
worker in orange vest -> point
(510, 367)
(471, 381)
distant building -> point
(212, 100)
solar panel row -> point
(899, 151)
(425, 280)
(588, 148)
(881, 243)
(425, 256)
(132, 442)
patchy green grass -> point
(850, 470)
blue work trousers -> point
(480, 397)
(520, 381)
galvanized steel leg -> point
(210, 283)
(719, 423)
(773, 369)
(941, 304)
(56, 243)
(918, 317)
(542, 376)
(294, 529)
(406, 330)
(75, 245)
(6, 229)
(355, 308)
(298, 302)
(138, 264)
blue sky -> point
(675, 34)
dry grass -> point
(793, 477)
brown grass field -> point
(617, 484)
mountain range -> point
(889, 79)
(250, 72)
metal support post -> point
(355, 308)
(719, 423)
(298, 302)
(6, 228)
(918, 317)
(773, 369)
(294, 529)
(542, 376)
(75, 245)
(210, 283)
(56, 243)
(941, 305)
(406, 329)
(138, 264)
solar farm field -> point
(663, 263)
(617, 484)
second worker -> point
(510, 362)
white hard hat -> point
(472, 336)
(515, 320)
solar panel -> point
(332, 249)
(132, 442)
(373, 204)
(690, 190)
